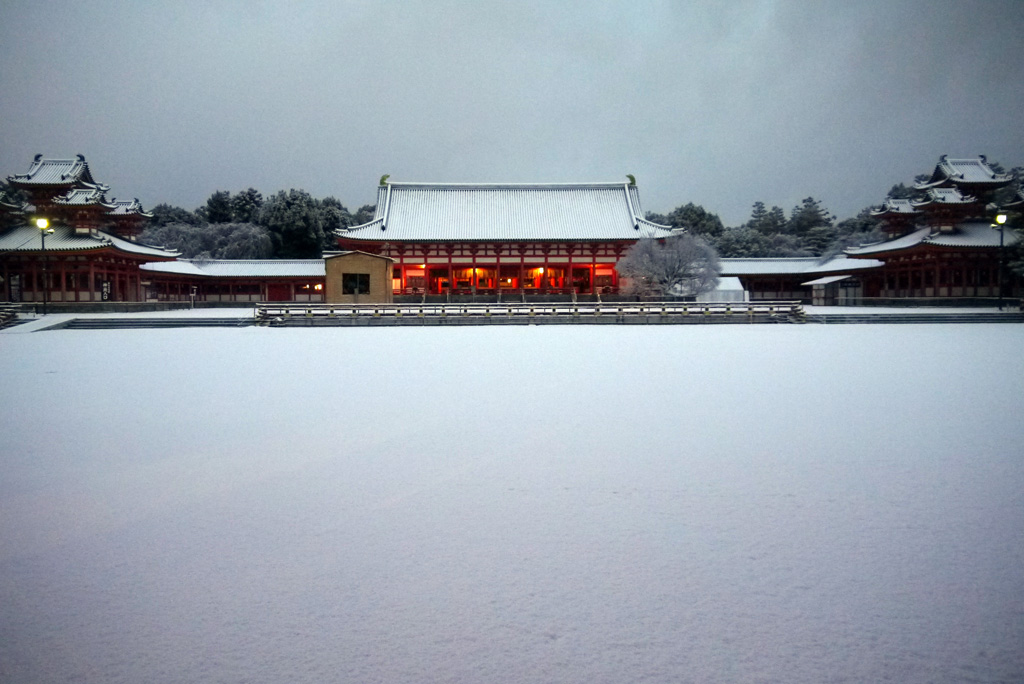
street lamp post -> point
(44, 229)
(1000, 225)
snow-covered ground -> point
(527, 504)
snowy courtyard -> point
(531, 504)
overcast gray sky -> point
(721, 104)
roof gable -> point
(351, 252)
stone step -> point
(130, 323)
(833, 319)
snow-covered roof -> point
(902, 242)
(767, 266)
(974, 171)
(794, 266)
(242, 268)
(55, 172)
(1017, 201)
(896, 206)
(944, 196)
(506, 212)
(91, 195)
(843, 263)
(827, 280)
(64, 239)
(729, 283)
(130, 207)
(971, 234)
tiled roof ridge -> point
(197, 260)
(810, 258)
(644, 222)
(616, 185)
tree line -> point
(809, 229)
(287, 225)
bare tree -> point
(680, 265)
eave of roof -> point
(827, 280)
(65, 239)
(794, 266)
(84, 197)
(241, 268)
(944, 196)
(967, 235)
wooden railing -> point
(8, 312)
(280, 313)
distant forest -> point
(808, 230)
(287, 225)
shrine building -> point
(69, 243)
(493, 239)
(943, 243)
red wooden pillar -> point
(497, 268)
(522, 266)
(568, 274)
(450, 249)
(619, 249)
(36, 279)
(545, 280)
(402, 276)
(474, 278)
(62, 272)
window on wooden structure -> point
(355, 283)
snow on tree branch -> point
(684, 265)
